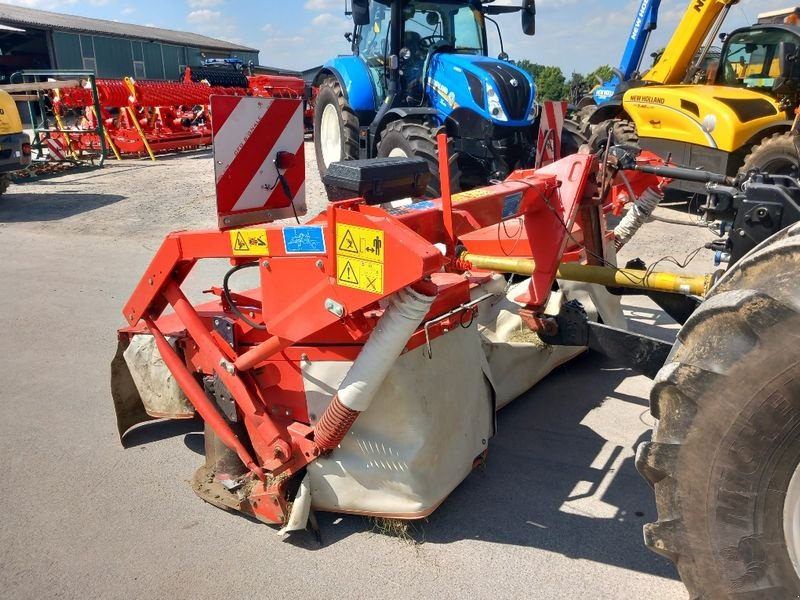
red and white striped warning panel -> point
(56, 148)
(551, 124)
(258, 157)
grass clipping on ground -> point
(410, 532)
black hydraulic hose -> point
(226, 294)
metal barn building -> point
(37, 39)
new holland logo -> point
(514, 83)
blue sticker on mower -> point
(304, 240)
(421, 205)
(511, 205)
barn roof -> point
(20, 16)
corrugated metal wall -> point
(120, 57)
(67, 50)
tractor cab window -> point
(752, 58)
(373, 44)
(430, 25)
(373, 41)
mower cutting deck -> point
(363, 373)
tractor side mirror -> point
(789, 59)
(529, 17)
(361, 12)
(787, 53)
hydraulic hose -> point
(407, 308)
(638, 214)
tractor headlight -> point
(495, 108)
(534, 111)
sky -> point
(576, 35)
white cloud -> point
(203, 3)
(329, 20)
(321, 5)
(203, 16)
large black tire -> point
(409, 138)
(335, 126)
(572, 137)
(5, 181)
(776, 155)
(623, 133)
(727, 437)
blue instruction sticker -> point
(422, 205)
(511, 205)
(304, 240)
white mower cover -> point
(433, 416)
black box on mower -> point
(377, 180)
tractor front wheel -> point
(724, 460)
(776, 155)
(411, 139)
(335, 126)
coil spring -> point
(334, 425)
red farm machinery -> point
(362, 372)
(145, 118)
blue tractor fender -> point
(603, 93)
(409, 114)
(353, 76)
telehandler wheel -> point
(725, 457)
(407, 138)
(335, 126)
(623, 133)
(5, 181)
(776, 155)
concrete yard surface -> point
(556, 513)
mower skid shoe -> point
(127, 401)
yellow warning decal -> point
(360, 274)
(360, 255)
(249, 242)
(359, 242)
(471, 194)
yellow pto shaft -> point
(696, 285)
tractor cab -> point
(428, 28)
(419, 67)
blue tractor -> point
(418, 68)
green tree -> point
(603, 73)
(552, 84)
(530, 67)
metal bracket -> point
(224, 327)
(217, 391)
(467, 306)
(641, 353)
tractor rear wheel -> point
(335, 126)
(405, 138)
(724, 460)
(776, 155)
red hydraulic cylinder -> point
(260, 353)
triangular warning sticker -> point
(348, 243)
(241, 244)
(348, 274)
